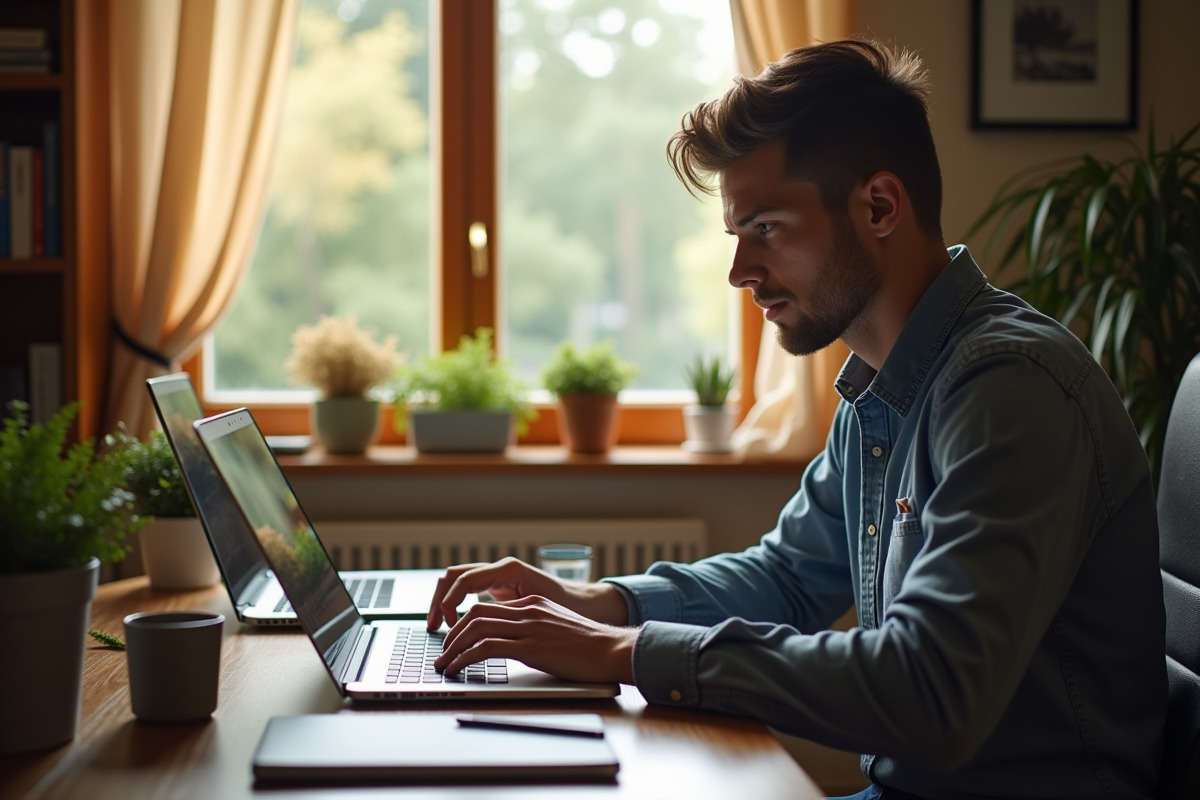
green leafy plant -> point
(594, 370)
(154, 479)
(1111, 249)
(115, 642)
(60, 505)
(467, 378)
(710, 380)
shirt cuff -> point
(648, 597)
(664, 663)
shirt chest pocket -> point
(906, 541)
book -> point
(20, 217)
(39, 211)
(5, 245)
(23, 38)
(22, 56)
(45, 381)
(51, 189)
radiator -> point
(619, 546)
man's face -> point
(806, 268)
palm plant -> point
(1111, 249)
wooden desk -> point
(664, 753)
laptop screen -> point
(286, 537)
(178, 406)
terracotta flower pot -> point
(587, 423)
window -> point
(543, 124)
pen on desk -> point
(517, 723)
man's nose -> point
(743, 272)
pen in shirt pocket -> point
(904, 509)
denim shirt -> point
(985, 503)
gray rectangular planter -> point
(433, 431)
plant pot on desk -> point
(435, 431)
(176, 554)
(45, 614)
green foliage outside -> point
(598, 240)
(711, 380)
(60, 506)
(596, 369)
(467, 378)
(154, 478)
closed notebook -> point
(407, 746)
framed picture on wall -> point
(1054, 64)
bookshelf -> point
(40, 304)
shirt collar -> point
(921, 339)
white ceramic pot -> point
(346, 425)
(176, 554)
(44, 617)
(459, 431)
(708, 428)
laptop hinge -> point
(358, 656)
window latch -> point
(477, 237)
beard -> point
(851, 282)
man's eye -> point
(764, 227)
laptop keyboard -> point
(414, 654)
(367, 594)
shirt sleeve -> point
(736, 633)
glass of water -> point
(568, 562)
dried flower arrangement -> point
(341, 359)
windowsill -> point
(534, 459)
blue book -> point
(5, 239)
(51, 191)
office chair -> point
(1179, 558)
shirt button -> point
(877, 451)
(870, 530)
(676, 695)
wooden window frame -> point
(467, 52)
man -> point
(982, 499)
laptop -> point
(256, 595)
(384, 660)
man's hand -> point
(511, 579)
(541, 634)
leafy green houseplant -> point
(63, 509)
(709, 423)
(174, 548)
(1111, 248)
(587, 383)
(62, 505)
(462, 400)
(344, 362)
(711, 380)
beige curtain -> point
(195, 91)
(794, 398)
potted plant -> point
(709, 422)
(62, 512)
(587, 383)
(462, 400)
(174, 548)
(344, 362)
(1110, 249)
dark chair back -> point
(1179, 548)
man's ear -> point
(882, 196)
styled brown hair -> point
(846, 110)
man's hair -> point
(845, 109)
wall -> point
(975, 163)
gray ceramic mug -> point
(174, 664)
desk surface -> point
(268, 672)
